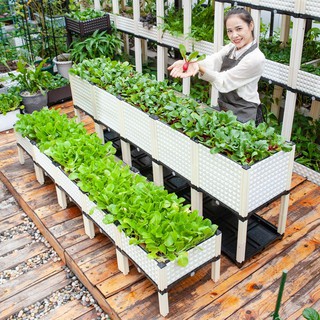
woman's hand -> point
(177, 69)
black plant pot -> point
(34, 102)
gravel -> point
(74, 291)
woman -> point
(235, 70)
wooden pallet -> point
(246, 293)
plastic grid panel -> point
(198, 256)
(284, 5)
(125, 24)
(137, 127)
(204, 47)
(267, 179)
(7, 122)
(174, 150)
(276, 71)
(25, 144)
(308, 173)
(144, 32)
(169, 40)
(70, 187)
(220, 177)
(305, 80)
(313, 8)
(82, 94)
(45, 162)
(109, 229)
(107, 109)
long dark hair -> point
(243, 15)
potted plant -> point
(10, 105)
(64, 63)
(33, 83)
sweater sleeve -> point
(249, 69)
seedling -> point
(191, 58)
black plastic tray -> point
(260, 232)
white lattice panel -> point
(309, 83)
(204, 47)
(108, 109)
(169, 40)
(109, 229)
(268, 178)
(125, 24)
(174, 150)
(69, 187)
(220, 177)
(144, 32)
(284, 5)
(137, 127)
(313, 8)
(276, 72)
(198, 256)
(25, 144)
(45, 162)
(82, 94)
(308, 173)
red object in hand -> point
(185, 66)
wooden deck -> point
(246, 293)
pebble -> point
(74, 291)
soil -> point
(12, 65)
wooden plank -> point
(203, 291)
(10, 222)
(18, 241)
(304, 298)
(118, 281)
(73, 237)
(4, 193)
(20, 256)
(53, 242)
(265, 301)
(93, 290)
(59, 217)
(83, 248)
(71, 310)
(67, 226)
(29, 279)
(89, 315)
(48, 210)
(33, 294)
(8, 209)
(239, 295)
(296, 180)
(16, 170)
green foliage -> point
(311, 314)
(86, 14)
(147, 213)
(32, 79)
(99, 44)
(220, 131)
(201, 26)
(305, 134)
(9, 102)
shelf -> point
(260, 234)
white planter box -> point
(174, 150)
(284, 5)
(45, 162)
(7, 121)
(244, 190)
(204, 47)
(144, 32)
(306, 172)
(26, 144)
(97, 216)
(82, 94)
(137, 127)
(276, 71)
(171, 41)
(304, 81)
(313, 8)
(165, 275)
(108, 109)
(123, 23)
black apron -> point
(243, 109)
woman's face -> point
(239, 32)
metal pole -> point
(283, 280)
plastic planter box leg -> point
(39, 173)
(88, 227)
(62, 198)
(20, 155)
